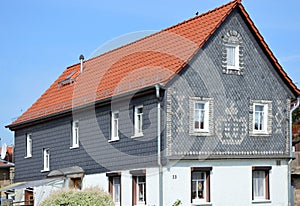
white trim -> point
(46, 160)
(261, 201)
(138, 122)
(28, 145)
(113, 188)
(114, 125)
(236, 65)
(264, 130)
(206, 117)
(199, 200)
(75, 135)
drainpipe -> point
(291, 152)
(160, 179)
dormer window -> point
(232, 52)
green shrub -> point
(177, 203)
(88, 197)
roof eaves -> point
(21, 124)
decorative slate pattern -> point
(232, 128)
(233, 37)
(232, 95)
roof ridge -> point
(204, 14)
(235, 2)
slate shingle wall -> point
(95, 154)
(232, 95)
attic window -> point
(67, 80)
(232, 52)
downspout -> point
(160, 179)
(291, 152)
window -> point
(28, 145)
(138, 121)
(46, 156)
(260, 118)
(200, 184)
(114, 126)
(201, 116)
(232, 52)
(75, 134)
(260, 183)
(77, 183)
(115, 187)
(139, 190)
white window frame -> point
(138, 122)
(75, 134)
(264, 130)
(28, 145)
(114, 187)
(137, 190)
(114, 126)
(236, 65)
(199, 200)
(206, 172)
(263, 182)
(206, 116)
(46, 160)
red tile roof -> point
(148, 61)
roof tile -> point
(145, 62)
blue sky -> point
(39, 39)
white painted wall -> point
(152, 181)
(231, 182)
(126, 188)
(95, 180)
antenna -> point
(3, 151)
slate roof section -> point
(154, 59)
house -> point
(198, 112)
(6, 167)
(296, 136)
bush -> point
(88, 197)
(177, 203)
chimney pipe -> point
(81, 58)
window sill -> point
(200, 133)
(202, 204)
(140, 204)
(260, 134)
(74, 147)
(233, 68)
(137, 136)
(27, 157)
(113, 140)
(261, 201)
